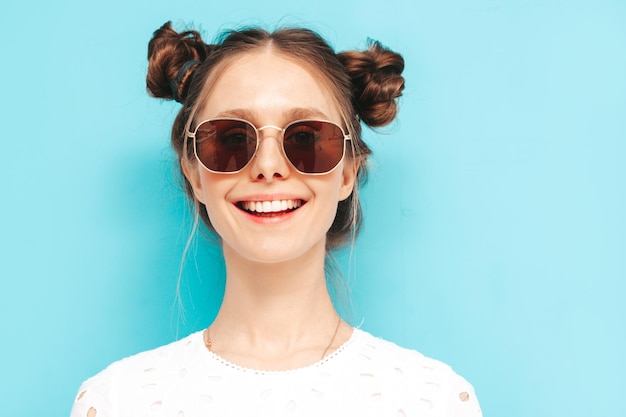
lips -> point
(270, 208)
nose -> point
(270, 162)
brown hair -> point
(366, 85)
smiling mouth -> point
(270, 208)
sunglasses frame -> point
(258, 130)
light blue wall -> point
(495, 214)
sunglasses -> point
(228, 145)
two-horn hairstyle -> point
(365, 84)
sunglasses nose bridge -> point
(273, 148)
(260, 136)
(261, 129)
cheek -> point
(213, 193)
(331, 191)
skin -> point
(277, 313)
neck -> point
(275, 310)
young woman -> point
(269, 144)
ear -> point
(348, 179)
(192, 173)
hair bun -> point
(377, 82)
(171, 57)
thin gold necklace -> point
(209, 343)
(332, 339)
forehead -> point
(266, 84)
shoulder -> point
(387, 354)
(165, 357)
(434, 384)
(142, 372)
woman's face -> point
(267, 89)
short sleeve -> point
(94, 397)
(462, 400)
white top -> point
(366, 376)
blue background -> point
(495, 212)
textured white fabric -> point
(366, 376)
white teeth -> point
(273, 206)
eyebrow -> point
(295, 113)
(305, 113)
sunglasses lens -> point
(225, 145)
(313, 146)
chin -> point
(279, 251)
